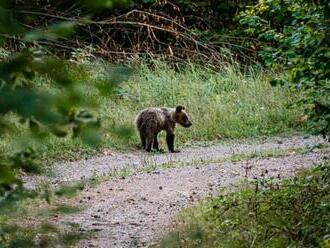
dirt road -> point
(135, 210)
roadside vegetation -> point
(266, 212)
(224, 104)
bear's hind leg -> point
(155, 144)
(143, 140)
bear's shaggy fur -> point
(151, 121)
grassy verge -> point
(266, 213)
(224, 104)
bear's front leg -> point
(170, 142)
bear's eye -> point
(184, 118)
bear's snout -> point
(188, 124)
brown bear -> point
(151, 121)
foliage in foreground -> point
(62, 110)
(44, 235)
(25, 105)
(296, 34)
(292, 212)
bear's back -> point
(156, 116)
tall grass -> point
(226, 103)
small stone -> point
(160, 187)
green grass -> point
(225, 104)
(43, 235)
(26, 223)
(267, 213)
(66, 209)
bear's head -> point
(182, 117)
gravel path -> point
(136, 210)
(114, 161)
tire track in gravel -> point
(135, 211)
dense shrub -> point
(294, 36)
(178, 30)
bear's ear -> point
(179, 108)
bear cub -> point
(151, 121)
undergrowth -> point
(44, 235)
(225, 104)
(30, 219)
(27, 223)
(268, 212)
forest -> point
(252, 76)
